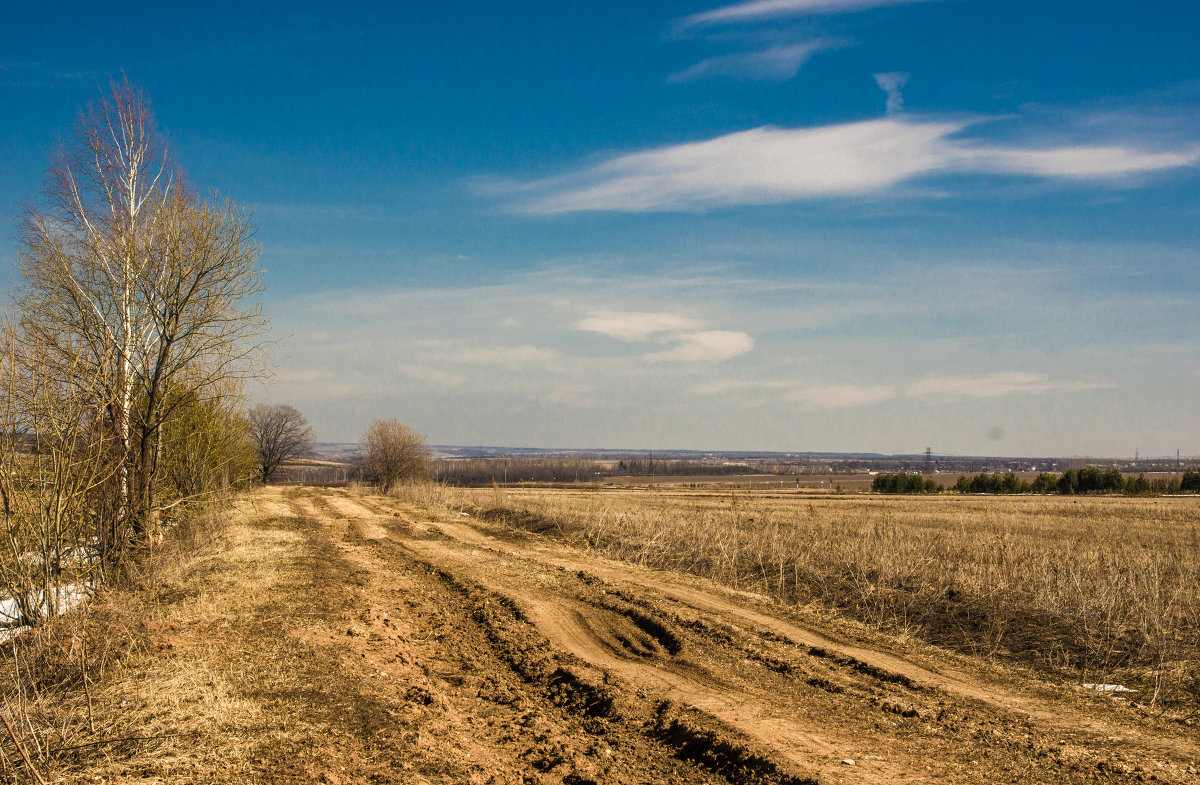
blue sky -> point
(777, 224)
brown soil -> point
(342, 638)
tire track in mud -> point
(596, 637)
(703, 709)
(559, 725)
(578, 674)
(881, 665)
(678, 663)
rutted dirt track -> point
(504, 657)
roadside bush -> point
(392, 452)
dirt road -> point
(462, 651)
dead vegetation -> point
(57, 714)
(1098, 590)
(131, 329)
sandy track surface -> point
(345, 638)
(736, 687)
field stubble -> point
(1096, 589)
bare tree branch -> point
(280, 433)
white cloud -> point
(844, 396)
(758, 10)
(891, 84)
(832, 362)
(1075, 162)
(771, 165)
(728, 386)
(686, 339)
(840, 396)
(759, 166)
(995, 385)
(634, 327)
(779, 63)
(705, 346)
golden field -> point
(1099, 589)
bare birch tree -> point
(84, 256)
(135, 280)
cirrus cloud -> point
(686, 341)
(991, 385)
(770, 165)
(994, 385)
(779, 63)
(761, 10)
(840, 396)
(705, 346)
(632, 326)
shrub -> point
(393, 451)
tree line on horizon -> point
(1085, 481)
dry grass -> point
(1104, 589)
(134, 698)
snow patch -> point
(67, 597)
(1108, 688)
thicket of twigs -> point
(132, 327)
(1100, 589)
(55, 715)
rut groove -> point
(721, 681)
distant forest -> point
(1087, 480)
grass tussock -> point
(1102, 589)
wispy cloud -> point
(1074, 162)
(44, 76)
(761, 10)
(429, 374)
(771, 165)
(706, 346)
(907, 334)
(995, 385)
(686, 340)
(779, 63)
(524, 356)
(840, 396)
(723, 387)
(631, 326)
(992, 385)
(891, 84)
(578, 395)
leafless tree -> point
(53, 459)
(280, 433)
(130, 278)
(393, 451)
